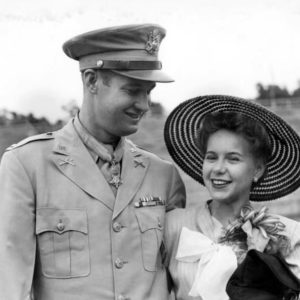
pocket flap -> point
(61, 220)
(150, 217)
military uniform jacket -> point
(64, 235)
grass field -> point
(150, 137)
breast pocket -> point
(151, 224)
(63, 244)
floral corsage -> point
(240, 231)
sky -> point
(211, 47)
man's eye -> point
(132, 92)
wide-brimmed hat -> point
(283, 168)
(128, 50)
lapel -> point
(73, 159)
(134, 167)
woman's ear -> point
(90, 79)
(259, 170)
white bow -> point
(216, 264)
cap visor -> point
(147, 75)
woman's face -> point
(229, 167)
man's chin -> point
(130, 130)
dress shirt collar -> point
(97, 149)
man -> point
(82, 209)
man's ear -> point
(90, 79)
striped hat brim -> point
(283, 168)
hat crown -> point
(129, 50)
(145, 37)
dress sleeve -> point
(172, 232)
(17, 233)
(293, 259)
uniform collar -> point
(97, 149)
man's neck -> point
(100, 135)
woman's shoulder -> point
(176, 219)
(179, 214)
(290, 224)
(184, 217)
(292, 229)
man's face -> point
(119, 106)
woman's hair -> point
(253, 131)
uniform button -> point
(117, 227)
(159, 223)
(60, 226)
(99, 63)
(119, 263)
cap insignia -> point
(153, 42)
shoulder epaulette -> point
(39, 137)
(132, 144)
(144, 149)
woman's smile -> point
(228, 167)
(220, 183)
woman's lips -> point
(219, 183)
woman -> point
(241, 152)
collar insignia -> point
(68, 160)
(138, 162)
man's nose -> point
(143, 103)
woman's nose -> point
(219, 166)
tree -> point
(271, 91)
(296, 92)
(71, 108)
(157, 109)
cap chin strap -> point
(125, 65)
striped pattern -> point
(283, 169)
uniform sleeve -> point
(177, 193)
(17, 234)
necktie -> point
(109, 164)
(108, 159)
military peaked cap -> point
(130, 50)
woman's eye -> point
(234, 159)
(210, 157)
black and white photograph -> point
(150, 150)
